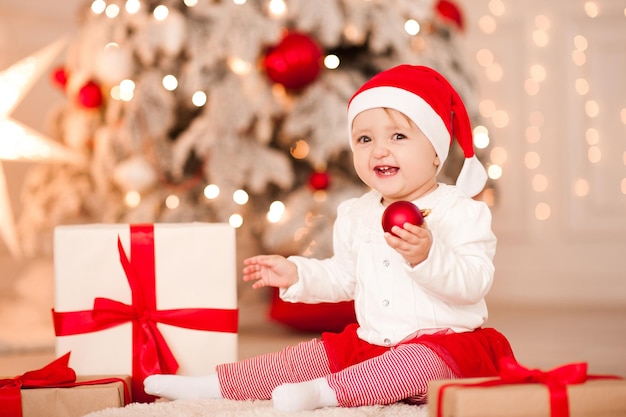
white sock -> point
(176, 387)
(307, 395)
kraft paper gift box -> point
(55, 391)
(593, 398)
(145, 299)
(75, 401)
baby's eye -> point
(363, 139)
(398, 136)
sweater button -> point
(385, 303)
(387, 342)
(386, 263)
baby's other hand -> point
(270, 271)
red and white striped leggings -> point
(401, 373)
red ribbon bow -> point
(57, 374)
(151, 354)
(556, 380)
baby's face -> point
(392, 155)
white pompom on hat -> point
(428, 99)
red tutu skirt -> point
(468, 354)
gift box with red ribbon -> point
(55, 391)
(145, 299)
(566, 391)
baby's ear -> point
(436, 161)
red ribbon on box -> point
(151, 354)
(556, 380)
(57, 374)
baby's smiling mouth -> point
(385, 170)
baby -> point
(419, 291)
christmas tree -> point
(226, 111)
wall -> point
(25, 27)
(577, 254)
(553, 161)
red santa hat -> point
(428, 99)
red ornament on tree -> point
(90, 95)
(59, 77)
(450, 12)
(319, 180)
(400, 212)
(295, 62)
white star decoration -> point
(18, 142)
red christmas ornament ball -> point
(90, 95)
(295, 62)
(59, 77)
(400, 212)
(319, 180)
(451, 12)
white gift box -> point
(194, 269)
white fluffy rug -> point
(229, 408)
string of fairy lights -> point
(488, 108)
(537, 74)
(124, 91)
(276, 8)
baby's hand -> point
(270, 270)
(412, 242)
